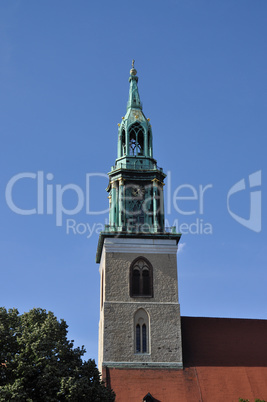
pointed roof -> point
(134, 111)
(134, 98)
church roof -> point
(224, 359)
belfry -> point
(139, 309)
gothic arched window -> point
(123, 145)
(140, 142)
(150, 143)
(141, 278)
(136, 136)
(141, 336)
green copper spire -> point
(134, 98)
(135, 146)
(136, 183)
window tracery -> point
(141, 325)
(141, 281)
(136, 136)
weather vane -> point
(133, 63)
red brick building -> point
(224, 359)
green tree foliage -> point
(38, 363)
(247, 400)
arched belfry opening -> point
(136, 137)
(123, 143)
(140, 142)
(149, 140)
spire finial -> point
(133, 70)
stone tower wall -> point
(116, 341)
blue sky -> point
(64, 69)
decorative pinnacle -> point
(133, 70)
(134, 98)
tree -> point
(38, 363)
(247, 400)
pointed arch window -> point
(144, 338)
(150, 143)
(123, 144)
(138, 338)
(141, 325)
(132, 144)
(136, 281)
(136, 136)
(141, 338)
(140, 142)
(141, 278)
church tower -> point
(139, 324)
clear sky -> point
(64, 69)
